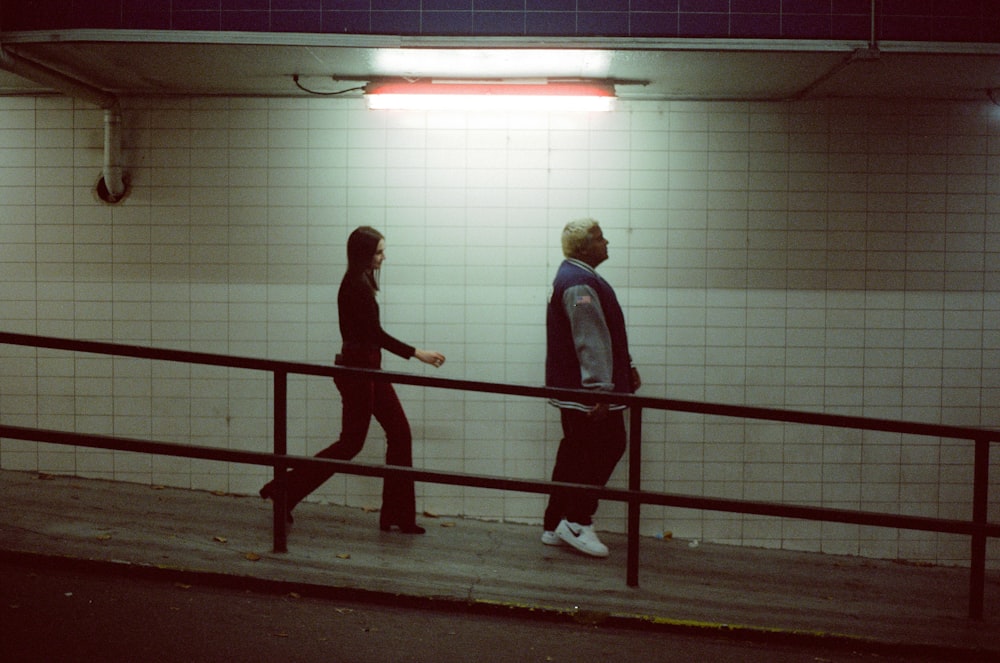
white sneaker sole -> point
(589, 551)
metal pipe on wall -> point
(112, 187)
(114, 171)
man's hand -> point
(599, 412)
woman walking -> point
(362, 397)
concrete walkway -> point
(462, 564)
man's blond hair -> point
(577, 236)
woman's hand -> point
(431, 357)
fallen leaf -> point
(344, 611)
(370, 509)
(430, 514)
(220, 539)
(252, 556)
(344, 556)
(158, 487)
(46, 477)
(280, 634)
(219, 493)
(448, 524)
(181, 585)
(103, 537)
(294, 595)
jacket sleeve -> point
(395, 346)
(590, 336)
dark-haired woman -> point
(362, 398)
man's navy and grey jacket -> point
(587, 346)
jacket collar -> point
(581, 265)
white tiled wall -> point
(833, 256)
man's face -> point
(597, 251)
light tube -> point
(490, 95)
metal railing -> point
(978, 528)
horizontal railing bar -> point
(800, 512)
(584, 396)
(143, 352)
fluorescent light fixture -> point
(513, 95)
(495, 63)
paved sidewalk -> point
(472, 565)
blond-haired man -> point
(587, 348)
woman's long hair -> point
(361, 247)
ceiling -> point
(143, 63)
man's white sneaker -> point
(550, 538)
(581, 537)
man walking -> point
(587, 348)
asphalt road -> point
(61, 614)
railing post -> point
(634, 504)
(280, 494)
(980, 500)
